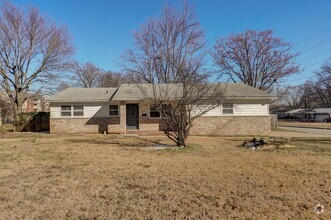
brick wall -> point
(122, 119)
(231, 125)
(206, 125)
(85, 125)
(147, 124)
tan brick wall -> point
(85, 125)
(231, 125)
(122, 126)
(146, 123)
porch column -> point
(123, 117)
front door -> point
(132, 116)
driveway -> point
(308, 130)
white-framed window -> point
(113, 110)
(78, 110)
(153, 112)
(72, 110)
(66, 110)
(227, 108)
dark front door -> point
(132, 116)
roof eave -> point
(78, 100)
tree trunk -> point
(181, 139)
(17, 111)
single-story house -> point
(124, 109)
(315, 115)
(320, 114)
(298, 113)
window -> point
(78, 110)
(75, 110)
(113, 110)
(154, 113)
(227, 108)
(166, 110)
(66, 110)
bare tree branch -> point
(169, 55)
(31, 49)
(257, 59)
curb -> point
(292, 126)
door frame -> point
(137, 119)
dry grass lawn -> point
(116, 177)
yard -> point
(46, 176)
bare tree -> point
(110, 79)
(31, 50)
(255, 58)
(322, 85)
(294, 97)
(169, 55)
(87, 75)
(62, 86)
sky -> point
(103, 30)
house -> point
(320, 114)
(299, 114)
(124, 109)
(306, 115)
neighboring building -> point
(320, 114)
(35, 103)
(32, 103)
(306, 115)
(123, 109)
(299, 113)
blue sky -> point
(103, 29)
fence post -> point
(274, 121)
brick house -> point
(35, 103)
(123, 109)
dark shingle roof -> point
(83, 94)
(133, 92)
(231, 90)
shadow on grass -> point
(93, 141)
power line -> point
(317, 45)
(310, 24)
(313, 64)
(318, 55)
(311, 36)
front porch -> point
(135, 118)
